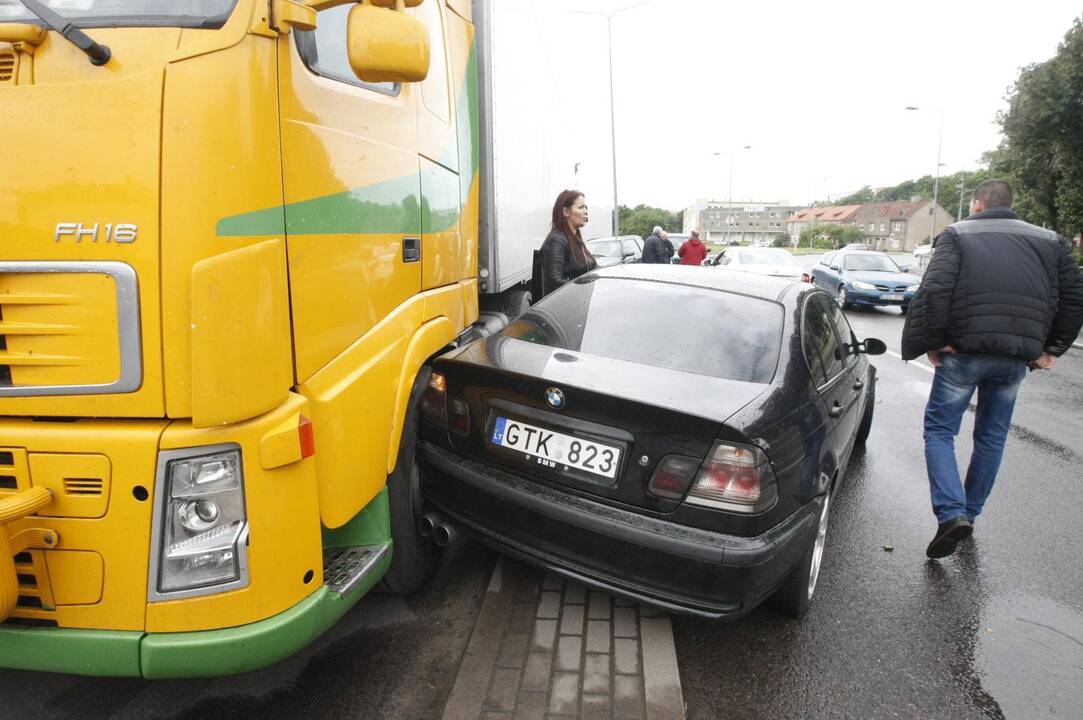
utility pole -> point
(612, 114)
(962, 191)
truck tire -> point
(413, 557)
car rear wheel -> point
(841, 298)
(795, 594)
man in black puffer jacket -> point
(999, 295)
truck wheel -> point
(413, 558)
(795, 593)
(866, 418)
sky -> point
(818, 91)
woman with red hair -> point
(564, 254)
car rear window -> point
(708, 332)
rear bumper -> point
(685, 570)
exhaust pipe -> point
(444, 533)
(426, 524)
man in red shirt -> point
(693, 251)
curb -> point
(546, 646)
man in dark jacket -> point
(654, 250)
(999, 295)
(667, 247)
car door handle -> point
(411, 249)
(836, 409)
(858, 385)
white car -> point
(775, 262)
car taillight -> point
(734, 477)
(458, 416)
(434, 400)
(805, 277)
(672, 477)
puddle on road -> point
(1029, 655)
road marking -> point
(913, 363)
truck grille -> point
(69, 328)
(7, 66)
(35, 600)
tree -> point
(830, 237)
(1042, 150)
(641, 220)
(862, 196)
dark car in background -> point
(616, 250)
(860, 278)
(688, 465)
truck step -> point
(344, 567)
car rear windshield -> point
(116, 13)
(708, 332)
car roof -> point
(761, 286)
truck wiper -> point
(99, 54)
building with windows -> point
(745, 222)
(887, 226)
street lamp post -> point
(962, 190)
(612, 114)
(936, 181)
(730, 154)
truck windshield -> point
(116, 13)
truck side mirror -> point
(386, 45)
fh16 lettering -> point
(105, 232)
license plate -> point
(556, 450)
(898, 298)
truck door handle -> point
(835, 410)
(411, 249)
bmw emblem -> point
(554, 397)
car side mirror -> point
(385, 44)
(872, 346)
(834, 267)
(904, 268)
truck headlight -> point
(200, 525)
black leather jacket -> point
(996, 285)
(559, 261)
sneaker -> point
(948, 535)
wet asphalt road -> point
(995, 631)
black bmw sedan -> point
(661, 432)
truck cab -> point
(227, 251)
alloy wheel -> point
(818, 546)
(841, 298)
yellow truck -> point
(232, 234)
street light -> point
(962, 189)
(730, 154)
(612, 121)
(936, 181)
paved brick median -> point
(546, 647)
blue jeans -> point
(997, 379)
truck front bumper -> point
(179, 655)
